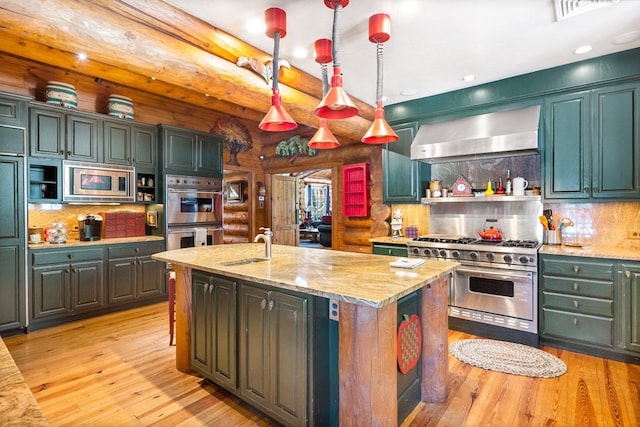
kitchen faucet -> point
(266, 236)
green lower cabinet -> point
(399, 250)
(213, 328)
(133, 274)
(631, 306)
(590, 305)
(273, 353)
(65, 282)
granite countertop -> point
(77, 242)
(18, 407)
(357, 278)
(618, 253)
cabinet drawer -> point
(127, 251)
(588, 270)
(579, 327)
(69, 255)
(597, 306)
(586, 288)
(393, 250)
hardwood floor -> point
(119, 370)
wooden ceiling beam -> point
(146, 51)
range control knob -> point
(524, 259)
(427, 252)
(443, 253)
(473, 256)
(416, 251)
(455, 254)
(490, 256)
(508, 259)
(435, 252)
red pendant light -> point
(323, 139)
(336, 104)
(276, 119)
(380, 132)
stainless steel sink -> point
(243, 261)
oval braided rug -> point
(508, 357)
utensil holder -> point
(552, 237)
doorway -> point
(303, 215)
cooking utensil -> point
(565, 222)
(544, 222)
(548, 213)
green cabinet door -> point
(13, 124)
(149, 277)
(122, 279)
(116, 142)
(631, 307)
(616, 142)
(403, 180)
(82, 137)
(145, 147)
(47, 133)
(12, 237)
(50, 291)
(133, 274)
(179, 150)
(87, 286)
(210, 155)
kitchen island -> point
(366, 289)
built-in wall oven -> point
(193, 211)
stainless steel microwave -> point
(95, 182)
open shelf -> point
(485, 199)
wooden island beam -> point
(367, 289)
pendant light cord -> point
(336, 34)
(325, 79)
(379, 72)
(274, 62)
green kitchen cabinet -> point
(44, 178)
(393, 249)
(577, 301)
(188, 152)
(12, 238)
(145, 147)
(56, 133)
(65, 282)
(403, 180)
(13, 123)
(116, 142)
(133, 274)
(213, 328)
(592, 144)
(273, 352)
(631, 306)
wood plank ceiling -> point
(152, 46)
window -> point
(317, 201)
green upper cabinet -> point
(189, 152)
(116, 141)
(145, 147)
(13, 124)
(55, 133)
(592, 144)
(130, 144)
(403, 180)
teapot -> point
(491, 233)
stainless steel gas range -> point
(494, 292)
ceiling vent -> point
(569, 8)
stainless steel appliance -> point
(95, 182)
(494, 292)
(193, 211)
(89, 227)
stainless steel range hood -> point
(493, 135)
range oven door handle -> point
(495, 274)
(194, 191)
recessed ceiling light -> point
(583, 49)
(408, 92)
(82, 56)
(255, 25)
(629, 37)
(469, 78)
(300, 53)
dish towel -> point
(200, 239)
(407, 262)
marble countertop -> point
(18, 407)
(77, 242)
(618, 253)
(357, 278)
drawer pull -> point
(575, 303)
(575, 321)
(271, 305)
(263, 304)
(575, 286)
(390, 252)
(575, 268)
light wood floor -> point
(118, 370)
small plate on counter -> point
(573, 244)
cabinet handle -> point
(70, 256)
(575, 303)
(576, 268)
(575, 321)
(627, 274)
(68, 153)
(271, 305)
(575, 286)
(586, 189)
(595, 189)
(211, 288)
(389, 251)
(263, 304)
(136, 250)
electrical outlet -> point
(633, 234)
(334, 310)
